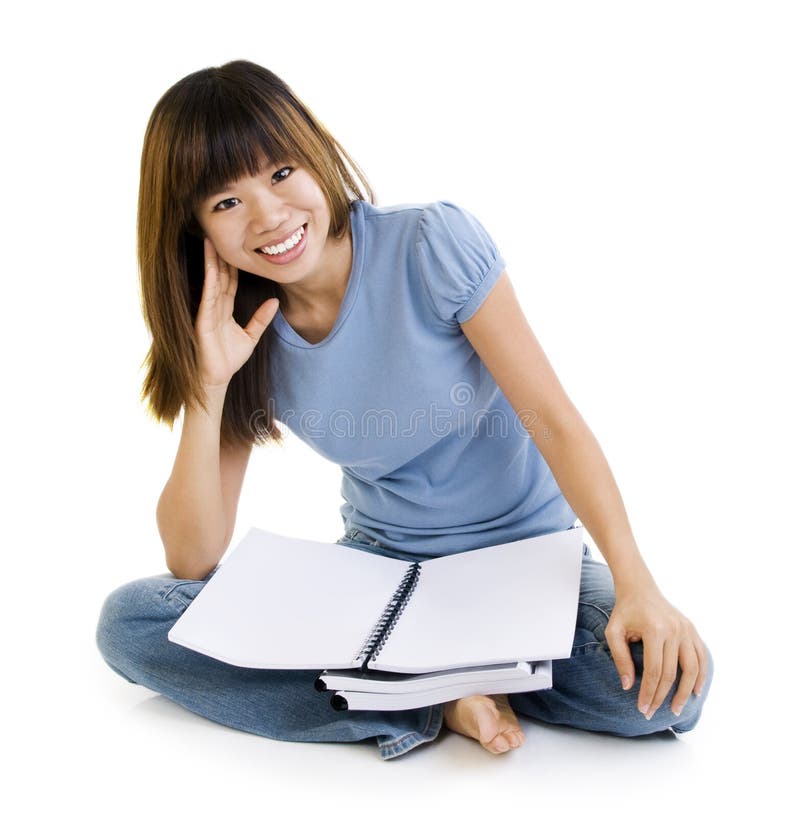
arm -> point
(197, 509)
(500, 334)
(196, 512)
(506, 344)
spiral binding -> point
(377, 637)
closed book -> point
(539, 676)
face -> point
(274, 224)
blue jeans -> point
(280, 704)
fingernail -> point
(626, 682)
(643, 709)
(649, 715)
(677, 711)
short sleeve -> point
(459, 263)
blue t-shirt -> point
(434, 459)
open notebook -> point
(287, 603)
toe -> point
(500, 744)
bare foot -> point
(489, 719)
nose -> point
(268, 212)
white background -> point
(637, 164)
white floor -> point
(108, 746)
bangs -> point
(225, 137)
(218, 125)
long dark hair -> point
(209, 129)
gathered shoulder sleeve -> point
(459, 262)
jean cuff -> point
(396, 746)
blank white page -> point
(284, 602)
(505, 603)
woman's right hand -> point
(223, 346)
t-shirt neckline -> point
(284, 329)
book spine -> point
(377, 637)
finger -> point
(669, 672)
(621, 654)
(226, 276)
(690, 667)
(702, 654)
(207, 311)
(233, 281)
(651, 675)
(225, 279)
(224, 272)
(229, 280)
(211, 277)
(262, 318)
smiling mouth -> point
(284, 246)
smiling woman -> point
(213, 132)
(281, 246)
(263, 223)
(274, 287)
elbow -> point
(190, 559)
(190, 553)
(558, 428)
(189, 570)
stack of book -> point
(391, 634)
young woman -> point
(274, 288)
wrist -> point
(626, 564)
(633, 576)
(207, 404)
(215, 392)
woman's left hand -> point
(670, 639)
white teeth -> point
(277, 249)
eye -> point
(226, 204)
(282, 174)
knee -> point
(123, 617)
